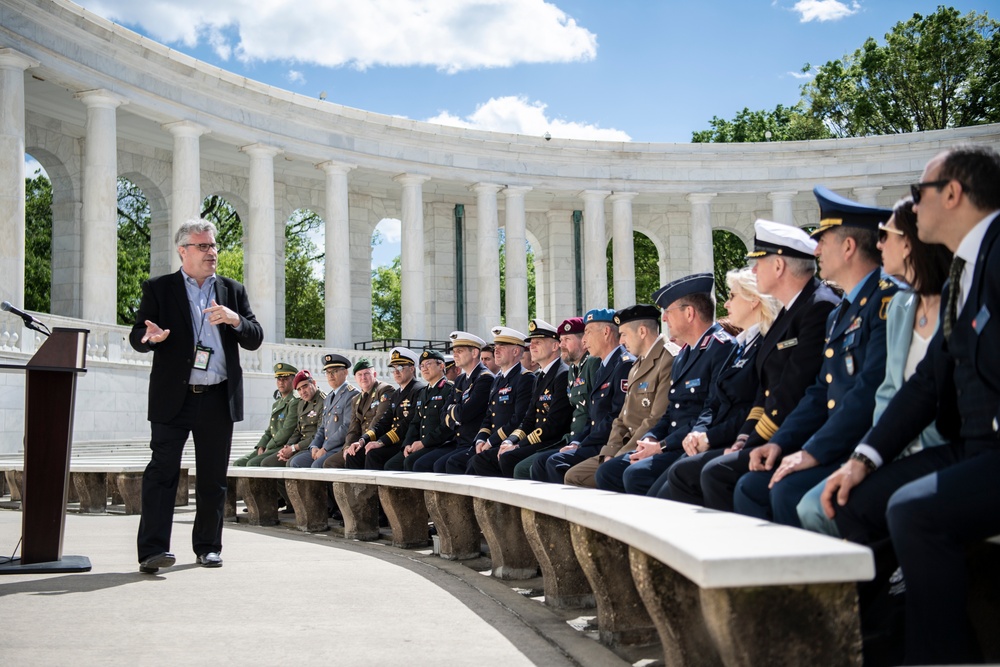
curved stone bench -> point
(716, 588)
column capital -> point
(485, 188)
(702, 197)
(516, 190)
(332, 168)
(411, 179)
(786, 195)
(100, 99)
(622, 196)
(11, 59)
(594, 195)
(261, 150)
(185, 128)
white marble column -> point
(623, 248)
(559, 281)
(100, 206)
(185, 200)
(12, 66)
(259, 273)
(868, 195)
(338, 255)
(412, 260)
(541, 293)
(781, 207)
(595, 250)
(488, 244)
(702, 253)
(517, 258)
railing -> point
(414, 344)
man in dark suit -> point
(788, 361)
(549, 412)
(933, 503)
(689, 312)
(194, 322)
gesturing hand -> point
(154, 334)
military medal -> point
(849, 361)
(645, 402)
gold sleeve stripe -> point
(484, 430)
(535, 437)
(766, 428)
(756, 413)
(393, 438)
(370, 435)
(519, 434)
(503, 436)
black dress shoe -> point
(211, 559)
(153, 564)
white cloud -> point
(824, 10)
(391, 229)
(802, 75)
(450, 36)
(294, 76)
(516, 115)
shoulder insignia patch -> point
(883, 311)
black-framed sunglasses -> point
(916, 189)
(884, 231)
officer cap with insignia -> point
(465, 339)
(702, 283)
(335, 361)
(362, 364)
(431, 354)
(300, 377)
(775, 238)
(640, 311)
(600, 315)
(402, 356)
(541, 329)
(281, 369)
(836, 211)
(449, 362)
(571, 325)
(507, 336)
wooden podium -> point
(49, 400)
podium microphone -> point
(29, 321)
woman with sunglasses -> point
(912, 319)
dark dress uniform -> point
(605, 398)
(367, 408)
(427, 424)
(464, 414)
(309, 416)
(546, 422)
(835, 411)
(284, 417)
(787, 363)
(694, 372)
(509, 399)
(388, 431)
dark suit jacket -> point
(788, 360)
(549, 413)
(509, 397)
(607, 397)
(164, 302)
(958, 382)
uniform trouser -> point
(582, 474)
(719, 477)
(400, 462)
(377, 457)
(752, 496)
(305, 459)
(683, 478)
(618, 474)
(428, 462)
(931, 504)
(552, 466)
(523, 468)
(811, 515)
(254, 459)
(355, 461)
(206, 417)
(458, 462)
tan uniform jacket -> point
(367, 408)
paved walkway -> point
(281, 598)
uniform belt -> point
(205, 388)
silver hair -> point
(801, 267)
(194, 226)
(743, 284)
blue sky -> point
(624, 70)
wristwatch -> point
(868, 463)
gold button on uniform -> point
(829, 378)
(829, 353)
(831, 403)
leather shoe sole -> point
(211, 559)
(153, 564)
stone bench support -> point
(509, 549)
(566, 586)
(454, 518)
(232, 498)
(92, 488)
(183, 489)
(407, 516)
(308, 498)
(130, 486)
(14, 480)
(622, 619)
(261, 497)
(358, 504)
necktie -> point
(954, 289)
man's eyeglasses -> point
(204, 247)
(396, 369)
(883, 232)
(916, 190)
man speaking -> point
(194, 323)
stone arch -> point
(160, 243)
(300, 293)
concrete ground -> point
(281, 597)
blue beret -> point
(599, 315)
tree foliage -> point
(730, 253)
(387, 315)
(37, 244)
(133, 249)
(932, 72)
(647, 268)
(792, 123)
(530, 256)
(305, 312)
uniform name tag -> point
(605, 385)
(980, 320)
(643, 385)
(692, 383)
(855, 325)
(791, 342)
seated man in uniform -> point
(283, 417)
(337, 409)
(366, 409)
(427, 430)
(309, 415)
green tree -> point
(784, 123)
(647, 268)
(37, 243)
(133, 248)
(387, 316)
(932, 72)
(217, 209)
(530, 255)
(730, 253)
(304, 292)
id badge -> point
(202, 355)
